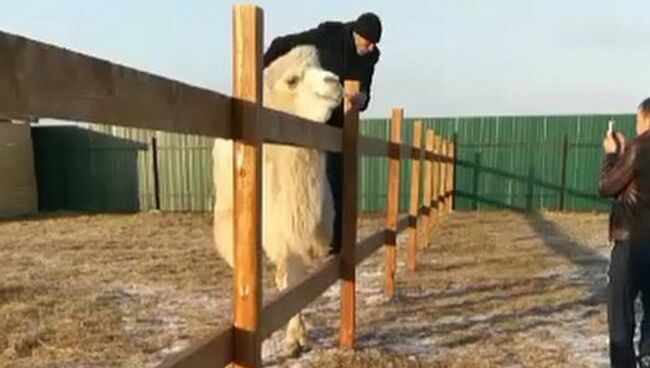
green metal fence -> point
(515, 162)
(78, 169)
(111, 169)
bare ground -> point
(494, 289)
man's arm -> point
(282, 45)
(617, 172)
(366, 80)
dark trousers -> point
(629, 272)
(334, 167)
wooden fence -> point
(39, 80)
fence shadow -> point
(592, 264)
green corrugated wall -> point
(503, 162)
(81, 170)
(508, 161)
(110, 169)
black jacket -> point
(336, 49)
(626, 177)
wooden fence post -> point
(156, 172)
(411, 250)
(428, 162)
(435, 187)
(436, 174)
(349, 219)
(441, 175)
(454, 153)
(392, 210)
(450, 176)
(247, 164)
(444, 167)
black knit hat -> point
(368, 26)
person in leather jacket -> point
(625, 176)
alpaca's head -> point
(295, 83)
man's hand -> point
(358, 100)
(614, 142)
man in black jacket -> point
(350, 51)
(625, 176)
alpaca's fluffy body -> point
(297, 206)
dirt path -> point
(497, 289)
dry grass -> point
(493, 290)
(105, 290)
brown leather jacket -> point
(626, 177)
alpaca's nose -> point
(331, 79)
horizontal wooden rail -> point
(282, 307)
(381, 148)
(373, 147)
(40, 80)
(285, 305)
(405, 151)
(417, 153)
(283, 128)
(438, 158)
(45, 81)
(214, 351)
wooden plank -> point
(450, 177)
(441, 176)
(427, 218)
(392, 207)
(45, 81)
(411, 152)
(445, 172)
(411, 248)
(406, 150)
(247, 165)
(435, 185)
(445, 177)
(214, 351)
(280, 309)
(349, 219)
(453, 175)
(420, 154)
(437, 157)
(373, 147)
(433, 178)
(282, 128)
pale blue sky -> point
(439, 58)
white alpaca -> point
(297, 206)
